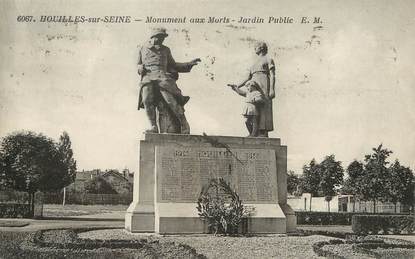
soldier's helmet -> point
(158, 31)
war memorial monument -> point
(174, 165)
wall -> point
(342, 203)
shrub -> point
(221, 207)
(323, 218)
(318, 248)
(99, 185)
(67, 244)
(364, 246)
(373, 224)
(14, 210)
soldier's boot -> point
(184, 125)
(151, 115)
(254, 132)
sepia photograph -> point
(207, 129)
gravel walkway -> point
(270, 246)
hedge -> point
(359, 246)
(318, 249)
(88, 198)
(386, 224)
(67, 244)
(14, 210)
(324, 218)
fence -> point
(342, 203)
(88, 198)
(15, 204)
(14, 210)
(308, 203)
(12, 196)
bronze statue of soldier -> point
(159, 94)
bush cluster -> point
(388, 247)
(365, 245)
(14, 210)
(54, 243)
(68, 239)
(386, 224)
(324, 218)
(318, 248)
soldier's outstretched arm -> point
(181, 67)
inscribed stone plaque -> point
(181, 172)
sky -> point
(343, 86)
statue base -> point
(173, 168)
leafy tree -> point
(66, 152)
(98, 185)
(331, 176)
(312, 178)
(400, 184)
(373, 183)
(293, 182)
(30, 162)
(354, 172)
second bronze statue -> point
(262, 72)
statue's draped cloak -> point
(260, 73)
(161, 70)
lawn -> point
(13, 223)
(263, 246)
(71, 210)
(117, 243)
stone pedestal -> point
(173, 169)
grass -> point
(57, 243)
(181, 246)
(10, 244)
(13, 223)
(70, 210)
(265, 246)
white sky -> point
(345, 95)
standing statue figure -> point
(262, 71)
(253, 102)
(159, 94)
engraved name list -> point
(182, 172)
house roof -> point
(118, 175)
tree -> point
(354, 172)
(98, 185)
(312, 178)
(293, 182)
(31, 162)
(400, 184)
(373, 183)
(351, 185)
(331, 176)
(66, 152)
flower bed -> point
(374, 224)
(66, 243)
(365, 247)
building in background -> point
(342, 203)
(121, 182)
